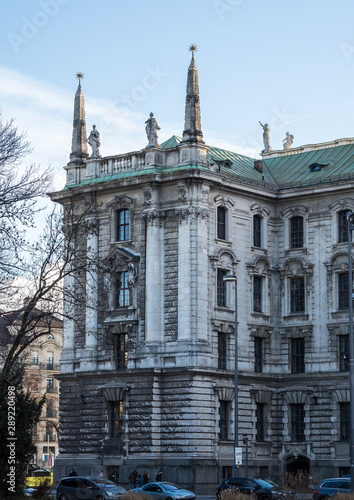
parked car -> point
(91, 487)
(330, 487)
(166, 491)
(263, 489)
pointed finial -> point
(192, 48)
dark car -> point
(330, 487)
(92, 487)
(264, 490)
(166, 491)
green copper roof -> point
(172, 142)
(326, 165)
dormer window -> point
(315, 167)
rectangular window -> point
(222, 351)
(258, 354)
(344, 353)
(221, 223)
(257, 293)
(297, 295)
(344, 421)
(121, 351)
(221, 288)
(50, 360)
(257, 234)
(122, 290)
(50, 382)
(297, 232)
(298, 355)
(34, 357)
(260, 421)
(116, 419)
(224, 420)
(123, 225)
(297, 422)
(343, 290)
(50, 413)
(342, 226)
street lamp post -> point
(350, 219)
(232, 277)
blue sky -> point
(290, 64)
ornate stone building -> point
(148, 381)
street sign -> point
(238, 456)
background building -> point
(147, 377)
(41, 361)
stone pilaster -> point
(154, 294)
(89, 358)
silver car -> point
(166, 491)
(92, 487)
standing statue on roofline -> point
(288, 141)
(151, 131)
(266, 141)
(95, 143)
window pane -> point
(258, 354)
(221, 223)
(121, 351)
(221, 288)
(117, 419)
(297, 422)
(257, 240)
(260, 422)
(298, 355)
(343, 289)
(297, 295)
(344, 353)
(342, 226)
(122, 290)
(222, 351)
(123, 225)
(344, 421)
(257, 294)
(297, 232)
(224, 420)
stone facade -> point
(148, 383)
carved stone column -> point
(154, 279)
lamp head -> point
(229, 277)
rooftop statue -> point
(266, 142)
(288, 141)
(151, 131)
(95, 143)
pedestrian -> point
(159, 476)
(73, 473)
(140, 481)
(146, 477)
(132, 478)
(101, 473)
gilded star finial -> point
(79, 75)
(192, 48)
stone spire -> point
(192, 124)
(79, 145)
